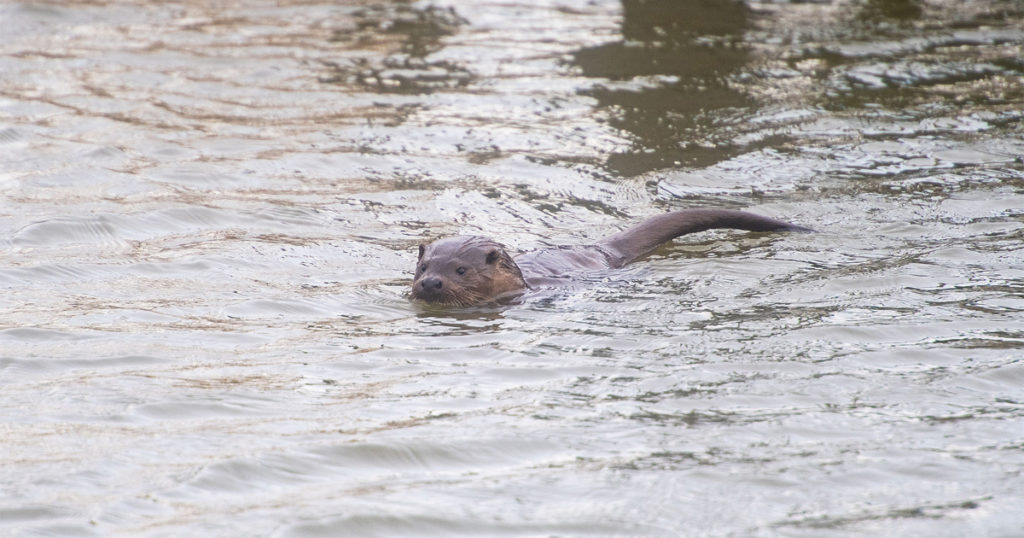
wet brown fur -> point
(487, 272)
(471, 270)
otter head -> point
(465, 271)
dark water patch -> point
(692, 418)
(419, 32)
(878, 10)
(962, 68)
(673, 64)
(934, 511)
(420, 28)
(910, 74)
(404, 76)
(910, 45)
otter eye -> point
(461, 270)
(423, 267)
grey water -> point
(209, 216)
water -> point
(210, 216)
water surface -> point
(210, 216)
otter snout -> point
(430, 289)
(431, 283)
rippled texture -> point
(210, 217)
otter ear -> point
(423, 248)
(493, 256)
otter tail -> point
(643, 238)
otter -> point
(472, 270)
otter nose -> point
(430, 283)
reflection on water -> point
(881, 11)
(210, 214)
(418, 32)
(668, 81)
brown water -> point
(209, 221)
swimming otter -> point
(472, 270)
